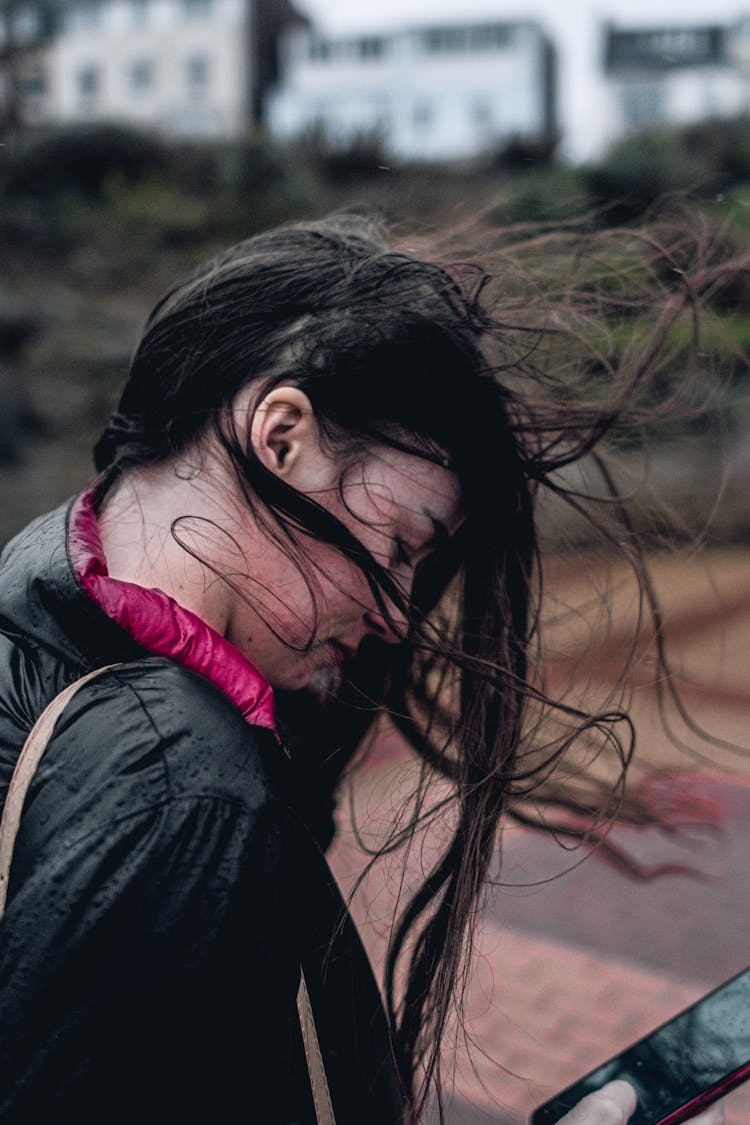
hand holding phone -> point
(677, 1071)
(614, 1104)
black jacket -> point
(163, 893)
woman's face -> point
(307, 621)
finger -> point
(612, 1105)
(712, 1116)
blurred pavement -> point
(587, 963)
(575, 968)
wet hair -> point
(391, 348)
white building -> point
(437, 91)
(433, 89)
(584, 96)
(183, 67)
(674, 74)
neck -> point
(161, 528)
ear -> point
(284, 431)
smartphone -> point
(679, 1068)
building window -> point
(197, 74)
(475, 37)
(320, 50)
(142, 76)
(642, 105)
(140, 10)
(28, 24)
(665, 47)
(88, 86)
(445, 39)
(197, 9)
(682, 42)
(489, 36)
(88, 13)
(371, 47)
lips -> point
(340, 652)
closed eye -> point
(402, 555)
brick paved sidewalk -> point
(571, 970)
(550, 1013)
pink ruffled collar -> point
(162, 626)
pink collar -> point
(161, 626)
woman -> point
(315, 486)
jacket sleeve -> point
(148, 967)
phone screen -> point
(696, 1057)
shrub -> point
(81, 160)
(723, 146)
(542, 197)
(521, 154)
(356, 156)
(644, 170)
(155, 212)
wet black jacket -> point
(163, 893)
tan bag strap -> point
(315, 1065)
(28, 760)
(10, 821)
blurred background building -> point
(184, 67)
(674, 74)
(436, 92)
(187, 68)
(448, 88)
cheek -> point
(344, 587)
(337, 595)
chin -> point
(303, 677)
(324, 681)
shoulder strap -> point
(315, 1065)
(26, 766)
(28, 760)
